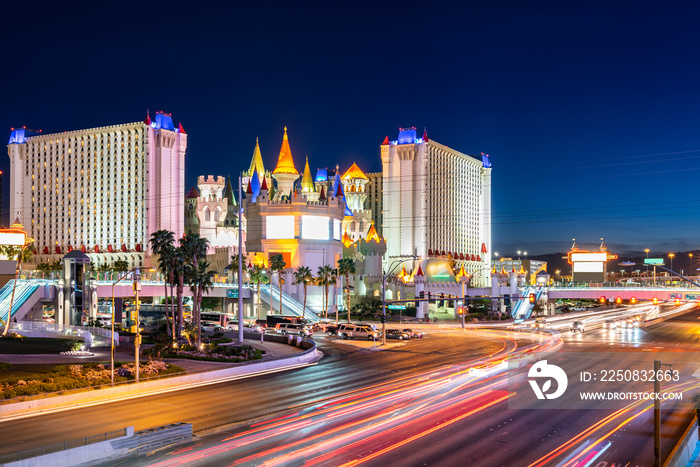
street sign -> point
(232, 293)
(396, 307)
(654, 261)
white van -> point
(361, 331)
(293, 329)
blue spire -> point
(255, 184)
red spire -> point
(249, 190)
(323, 194)
(339, 191)
(419, 272)
(264, 185)
(483, 248)
(478, 258)
(181, 130)
(148, 118)
(386, 140)
(425, 135)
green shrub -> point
(5, 366)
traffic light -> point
(618, 300)
(655, 301)
(633, 300)
(678, 301)
(382, 319)
(532, 298)
(601, 299)
(422, 294)
(429, 296)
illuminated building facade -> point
(374, 200)
(100, 190)
(436, 202)
(306, 231)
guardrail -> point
(156, 437)
(51, 448)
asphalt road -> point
(431, 412)
(343, 368)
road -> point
(415, 404)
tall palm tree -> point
(200, 281)
(178, 268)
(303, 276)
(194, 248)
(277, 264)
(326, 277)
(346, 266)
(162, 242)
(23, 254)
(234, 265)
(257, 275)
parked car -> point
(293, 329)
(210, 326)
(332, 330)
(362, 331)
(397, 334)
(414, 334)
(578, 326)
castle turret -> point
(285, 174)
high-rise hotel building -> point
(436, 203)
(101, 190)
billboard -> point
(654, 261)
(315, 227)
(279, 227)
(589, 257)
(12, 239)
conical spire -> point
(148, 118)
(228, 193)
(574, 246)
(264, 185)
(603, 247)
(285, 163)
(354, 172)
(372, 233)
(323, 194)
(425, 135)
(307, 182)
(256, 162)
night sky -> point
(588, 110)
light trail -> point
(377, 419)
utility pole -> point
(240, 260)
(137, 339)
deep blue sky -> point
(589, 110)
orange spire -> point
(285, 163)
(354, 172)
(372, 234)
(347, 241)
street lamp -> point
(671, 255)
(391, 268)
(137, 340)
(690, 269)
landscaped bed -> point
(66, 377)
(35, 345)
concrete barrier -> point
(79, 455)
(682, 453)
(144, 388)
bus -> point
(215, 317)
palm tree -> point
(326, 277)
(277, 264)
(162, 244)
(194, 249)
(120, 266)
(257, 275)
(346, 266)
(303, 276)
(200, 281)
(23, 254)
(178, 268)
(234, 265)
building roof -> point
(285, 163)
(77, 254)
(307, 182)
(354, 172)
(256, 162)
(386, 140)
(322, 197)
(193, 193)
